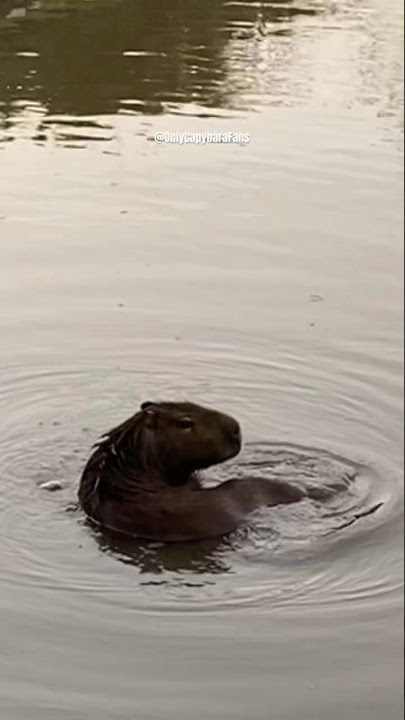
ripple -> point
(315, 551)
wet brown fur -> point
(142, 476)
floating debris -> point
(51, 485)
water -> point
(261, 277)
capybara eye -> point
(186, 423)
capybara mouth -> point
(234, 438)
(234, 447)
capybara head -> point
(170, 440)
(188, 437)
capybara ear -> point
(146, 404)
(150, 417)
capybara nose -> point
(236, 433)
(233, 430)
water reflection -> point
(69, 59)
(207, 557)
(64, 58)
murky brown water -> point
(261, 277)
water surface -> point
(263, 278)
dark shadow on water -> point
(208, 557)
(75, 58)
